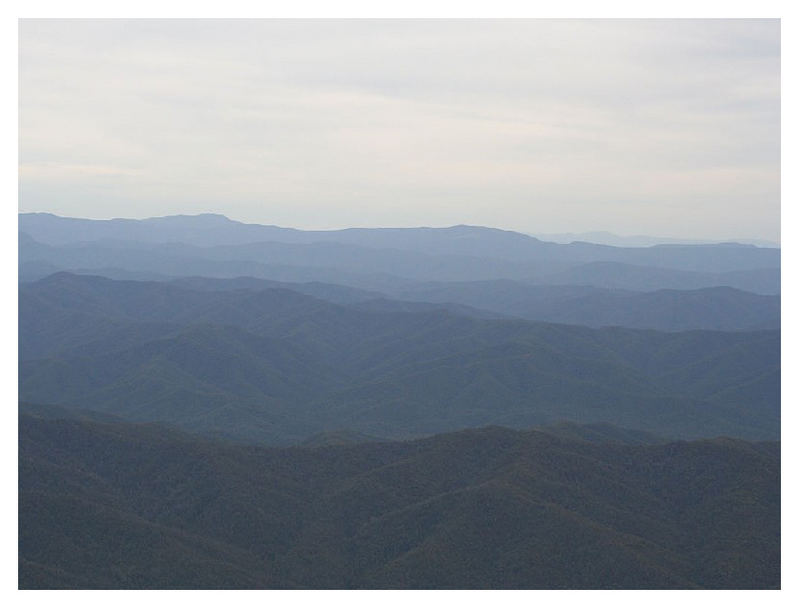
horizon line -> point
(536, 235)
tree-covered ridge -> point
(278, 366)
(112, 505)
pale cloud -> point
(633, 126)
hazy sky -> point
(658, 127)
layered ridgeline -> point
(275, 365)
(337, 344)
(473, 270)
(111, 505)
(378, 259)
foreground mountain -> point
(120, 506)
(278, 366)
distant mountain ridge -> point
(385, 264)
(277, 366)
(469, 241)
(609, 238)
(720, 308)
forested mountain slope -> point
(123, 506)
(276, 365)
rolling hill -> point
(278, 366)
(106, 505)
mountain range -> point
(206, 403)
(275, 365)
(114, 505)
(609, 238)
(210, 245)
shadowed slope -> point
(105, 505)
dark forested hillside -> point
(105, 505)
(278, 366)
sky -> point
(660, 127)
